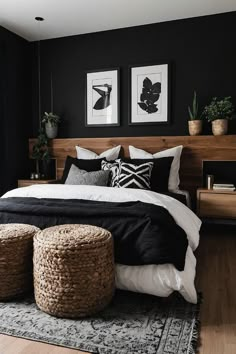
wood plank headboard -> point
(196, 149)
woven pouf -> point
(16, 253)
(73, 270)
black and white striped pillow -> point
(135, 176)
(114, 167)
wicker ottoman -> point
(16, 253)
(73, 270)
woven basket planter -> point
(219, 126)
(16, 253)
(195, 127)
(73, 270)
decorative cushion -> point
(173, 183)
(87, 165)
(110, 154)
(114, 168)
(135, 176)
(160, 172)
(82, 177)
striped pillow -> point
(135, 176)
(114, 168)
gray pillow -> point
(82, 177)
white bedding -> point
(158, 280)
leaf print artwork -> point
(105, 92)
(150, 94)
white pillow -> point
(85, 154)
(173, 183)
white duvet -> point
(159, 280)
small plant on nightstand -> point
(218, 112)
(195, 122)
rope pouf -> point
(16, 251)
(73, 270)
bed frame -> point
(196, 149)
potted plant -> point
(218, 112)
(41, 154)
(51, 120)
(195, 122)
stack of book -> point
(224, 186)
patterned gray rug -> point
(132, 324)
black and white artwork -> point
(102, 98)
(149, 93)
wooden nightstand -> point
(216, 204)
(30, 182)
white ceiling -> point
(70, 17)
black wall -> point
(15, 107)
(201, 51)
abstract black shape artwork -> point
(102, 98)
(150, 94)
(105, 92)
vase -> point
(219, 126)
(195, 127)
(47, 169)
(51, 130)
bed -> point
(140, 273)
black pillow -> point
(87, 165)
(160, 172)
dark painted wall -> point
(201, 51)
(15, 107)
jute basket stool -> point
(73, 270)
(16, 253)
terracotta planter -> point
(219, 126)
(195, 127)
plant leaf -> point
(156, 88)
(152, 108)
(147, 83)
(144, 96)
(143, 106)
(190, 113)
(155, 97)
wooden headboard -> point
(196, 149)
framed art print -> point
(149, 94)
(102, 98)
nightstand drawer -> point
(220, 205)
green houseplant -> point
(218, 112)
(41, 152)
(195, 121)
(51, 121)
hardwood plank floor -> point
(216, 278)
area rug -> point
(131, 324)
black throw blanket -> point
(143, 233)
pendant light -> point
(39, 20)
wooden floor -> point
(216, 278)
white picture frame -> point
(102, 98)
